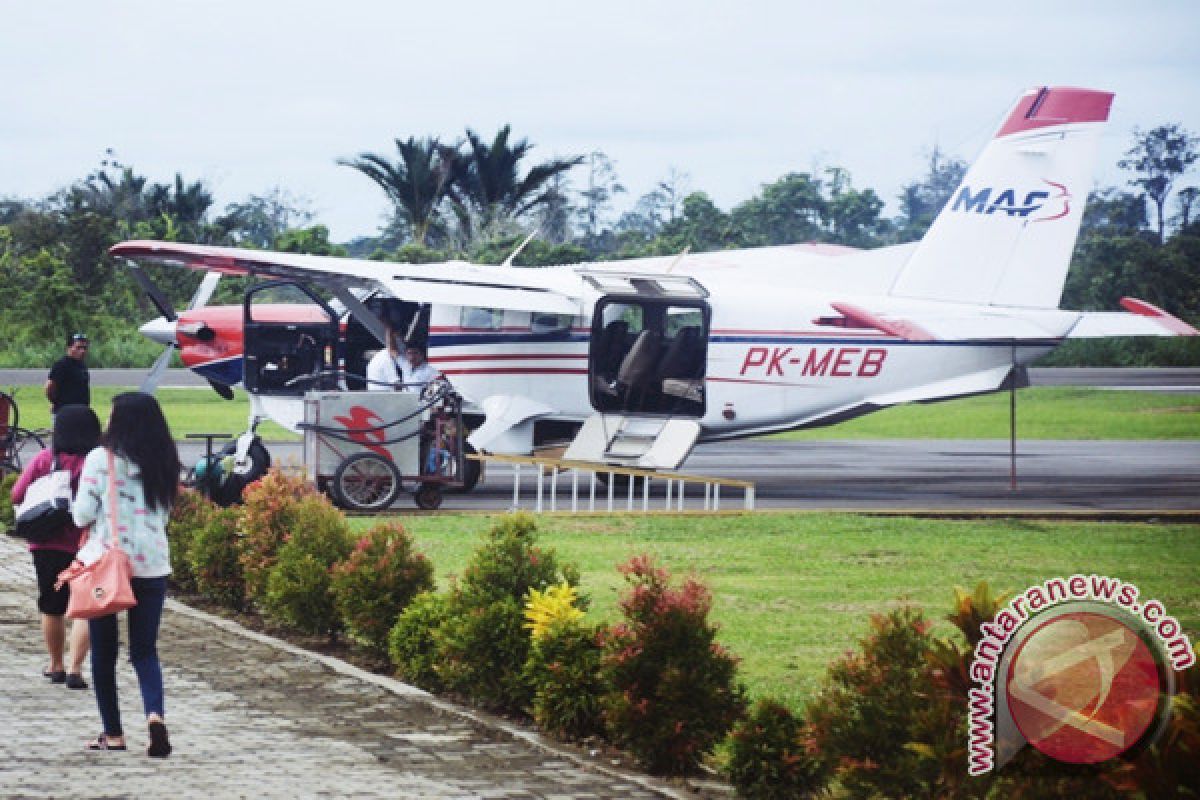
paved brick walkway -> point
(253, 717)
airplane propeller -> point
(163, 328)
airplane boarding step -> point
(644, 442)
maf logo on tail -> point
(990, 199)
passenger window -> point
(682, 317)
(550, 323)
(483, 319)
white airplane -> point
(636, 361)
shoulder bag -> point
(102, 587)
(46, 509)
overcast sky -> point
(251, 95)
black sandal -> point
(101, 743)
(160, 745)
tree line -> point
(477, 198)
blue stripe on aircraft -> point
(228, 371)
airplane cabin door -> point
(291, 340)
(648, 351)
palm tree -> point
(184, 204)
(416, 183)
(487, 178)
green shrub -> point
(412, 645)
(267, 515)
(299, 585)
(772, 757)
(212, 557)
(867, 713)
(7, 515)
(382, 576)
(564, 671)
(482, 644)
(673, 694)
(191, 512)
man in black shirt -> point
(69, 382)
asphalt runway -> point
(915, 475)
(855, 475)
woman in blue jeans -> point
(146, 466)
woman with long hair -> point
(76, 432)
(146, 466)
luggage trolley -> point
(360, 447)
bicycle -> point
(17, 445)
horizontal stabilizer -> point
(947, 323)
(1142, 319)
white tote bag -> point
(46, 509)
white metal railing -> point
(675, 499)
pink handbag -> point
(102, 587)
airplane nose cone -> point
(161, 330)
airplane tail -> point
(1006, 235)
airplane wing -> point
(549, 290)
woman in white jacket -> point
(146, 467)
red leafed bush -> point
(673, 694)
(380, 578)
(266, 516)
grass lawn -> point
(193, 410)
(1042, 413)
(793, 591)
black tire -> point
(428, 497)
(366, 482)
(472, 471)
(258, 461)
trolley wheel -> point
(24, 445)
(428, 497)
(366, 482)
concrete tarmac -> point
(252, 717)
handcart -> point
(360, 448)
(17, 445)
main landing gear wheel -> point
(472, 471)
(366, 482)
(428, 497)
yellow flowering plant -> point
(545, 609)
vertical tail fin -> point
(1006, 236)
